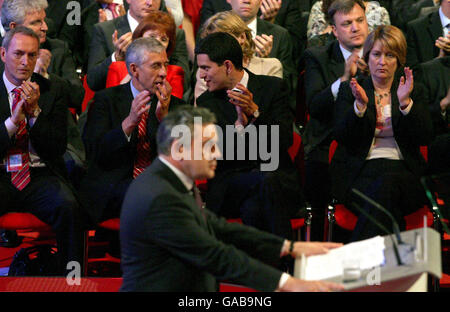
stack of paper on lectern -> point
(368, 253)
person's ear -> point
(228, 66)
(12, 25)
(134, 71)
(3, 53)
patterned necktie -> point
(142, 160)
(197, 196)
(113, 8)
(21, 178)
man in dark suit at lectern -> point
(171, 243)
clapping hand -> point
(269, 9)
(163, 94)
(359, 94)
(405, 87)
(263, 44)
(121, 44)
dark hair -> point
(159, 21)
(183, 116)
(343, 6)
(18, 30)
(220, 47)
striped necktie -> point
(113, 8)
(21, 178)
(142, 160)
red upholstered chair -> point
(339, 215)
(109, 224)
(23, 221)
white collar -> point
(132, 22)
(9, 85)
(253, 27)
(346, 53)
(244, 79)
(444, 19)
(2, 30)
(187, 182)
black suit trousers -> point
(393, 186)
(53, 202)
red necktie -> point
(113, 8)
(142, 160)
(21, 178)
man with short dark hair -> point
(33, 138)
(171, 243)
(263, 190)
(121, 128)
(326, 68)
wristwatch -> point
(36, 112)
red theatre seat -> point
(22, 221)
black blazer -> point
(169, 244)
(354, 134)
(324, 65)
(109, 154)
(421, 36)
(271, 96)
(435, 76)
(49, 133)
(289, 17)
(101, 48)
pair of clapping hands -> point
(28, 103)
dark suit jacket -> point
(435, 76)
(324, 65)
(403, 11)
(62, 68)
(421, 36)
(270, 94)
(78, 37)
(169, 244)
(354, 134)
(49, 133)
(62, 65)
(109, 154)
(288, 17)
(101, 48)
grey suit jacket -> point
(101, 49)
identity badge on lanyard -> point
(14, 161)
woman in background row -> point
(161, 26)
(230, 22)
(380, 123)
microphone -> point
(404, 255)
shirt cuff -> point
(283, 279)
(10, 127)
(335, 88)
(407, 109)
(359, 113)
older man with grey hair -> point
(55, 60)
(120, 133)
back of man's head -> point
(220, 47)
(183, 116)
(342, 6)
(16, 10)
